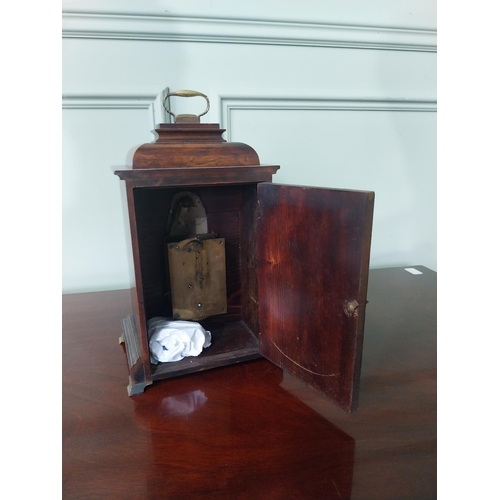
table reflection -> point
(236, 433)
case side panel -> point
(362, 292)
(137, 293)
(249, 261)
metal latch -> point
(350, 307)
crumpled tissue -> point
(173, 340)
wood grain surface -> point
(250, 430)
(314, 251)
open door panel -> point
(314, 249)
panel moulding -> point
(95, 101)
(153, 103)
(226, 105)
(244, 31)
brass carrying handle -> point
(185, 93)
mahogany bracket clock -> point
(285, 267)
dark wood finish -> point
(223, 204)
(190, 156)
(249, 255)
(232, 342)
(191, 145)
(204, 176)
(194, 157)
(314, 247)
(225, 178)
(230, 213)
(250, 431)
(138, 380)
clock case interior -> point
(296, 262)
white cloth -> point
(173, 340)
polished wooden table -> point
(251, 431)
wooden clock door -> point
(314, 249)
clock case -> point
(296, 262)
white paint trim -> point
(110, 101)
(226, 105)
(149, 102)
(244, 31)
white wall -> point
(339, 93)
